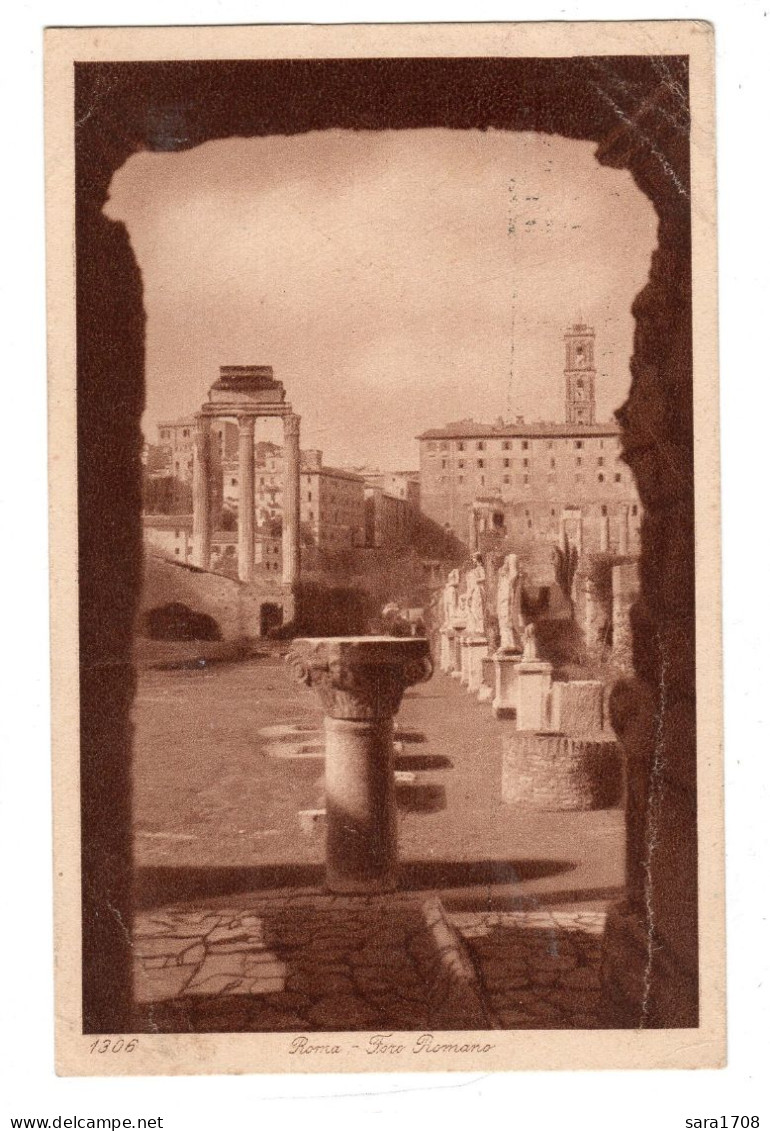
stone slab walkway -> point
(314, 963)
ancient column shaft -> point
(360, 681)
(201, 498)
(623, 538)
(604, 534)
(246, 498)
(291, 500)
(359, 787)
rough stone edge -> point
(461, 977)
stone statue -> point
(451, 599)
(530, 644)
(474, 597)
(509, 605)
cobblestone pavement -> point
(324, 963)
(305, 964)
(537, 970)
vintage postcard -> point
(385, 548)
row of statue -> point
(468, 610)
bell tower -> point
(580, 374)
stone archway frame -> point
(636, 110)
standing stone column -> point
(623, 538)
(360, 681)
(291, 503)
(604, 534)
(246, 497)
(473, 530)
(201, 496)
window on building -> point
(460, 446)
(176, 551)
(479, 445)
(506, 463)
(186, 432)
(233, 482)
(525, 462)
(578, 444)
(618, 477)
(525, 445)
(578, 461)
(553, 513)
(461, 463)
(506, 445)
(479, 462)
(550, 445)
(506, 479)
(634, 509)
(529, 523)
(600, 461)
(553, 462)
(601, 477)
(604, 512)
(526, 513)
(482, 481)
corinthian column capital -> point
(361, 677)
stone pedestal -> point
(477, 649)
(506, 669)
(487, 689)
(464, 661)
(360, 681)
(445, 650)
(577, 707)
(533, 685)
(455, 651)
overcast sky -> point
(385, 276)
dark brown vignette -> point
(636, 110)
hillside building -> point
(533, 482)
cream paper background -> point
(246, 1053)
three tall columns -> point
(201, 488)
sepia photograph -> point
(387, 679)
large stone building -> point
(331, 499)
(531, 482)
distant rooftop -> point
(472, 430)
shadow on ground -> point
(159, 886)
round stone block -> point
(555, 772)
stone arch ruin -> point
(636, 110)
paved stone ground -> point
(322, 963)
(218, 793)
(538, 971)
(309, 964)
